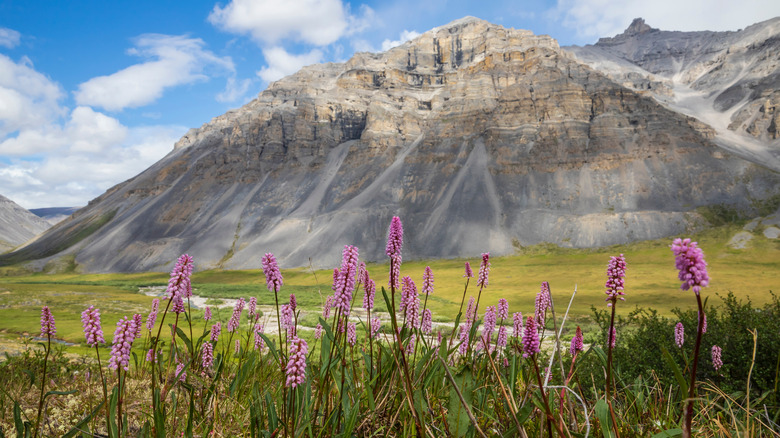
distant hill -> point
(17, 225)
(54, 215)
(481, 138)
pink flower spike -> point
(517, 327)
(376, 323)
(93, 331)
(318, 331)
(679, 334)
(179, 284)
(410, 344)
(427, 288)
(484, 270)
(123, 341)
(576, 342)
(427, 322)
(395, 242)
(259, 342)
(48, 328)
(273, 277)
(689, 260)
(502, 337)
(252, 309)
(215, 331)
(235, 320)
(369, 288)
(469, 273)
(207, 314)
(152, 318)
(502, 311)
(616, 273)
(296, 364)
(542, 303)
(206, 355)
(717, 361)
(531, 343)
(345, 283)
(351, 334)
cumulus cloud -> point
(71, 175)
(9, 38)
(318, 22)
(405, 36)
(282, 63)
(592, 19)
(173, 60)
(27, 98)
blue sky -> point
(94, 92)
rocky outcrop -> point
(17, 225)
(728, 80)
(481, 138)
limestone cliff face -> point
(481, 138)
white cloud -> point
(592, 19)
(9, 38)
(281, 63)
(90, 131)
(27, 98)
(71, 176)
(235, 89)
(174, 60)
(405, 36)
(318, 22)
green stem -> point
(688, 413)
(43, 385)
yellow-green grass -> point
(651, 283)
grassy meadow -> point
(651, 282)
(403, 381)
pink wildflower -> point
(93, 331)
(351, 334)
(273, 277)
(48, 328)
(215, 331)
(502, 336)
(330, 301)
(138, 319)
(717, 361)
(293, 303)
(207, 314)
(395, 242)
(427, 322)
(468, 273)
(463, 336)
(123, 341)
(616, 273)
(318, 331)
(345, 283)
(484, 270)
(370, 291)
(542, 303)
(410, 302)
(531, 343)
(576, 342)
(489, 324)
(179, 284)
(296, 364)
(152, 318)
(206, 355)
(252, 309)
(502, 311)
(410, 344)
(235, 320)
(517, 328)
(679, 334)
(689, 260)
(181, 372)
(471, 312)
(427, 288)
(376, 323)
(178, 305)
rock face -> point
(481, 138)
(729, 80)
(17, 225)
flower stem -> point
(688, 411)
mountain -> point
(54, 215)
(17, 225)
(729, 80)
(480, 138)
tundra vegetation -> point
(379, 355)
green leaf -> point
(18, 420)
(112, 420)
(186, 339)
(602, 413)
(72, 391)
(668, 433)
(457, 418)
(677, 372)
(78, 428)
